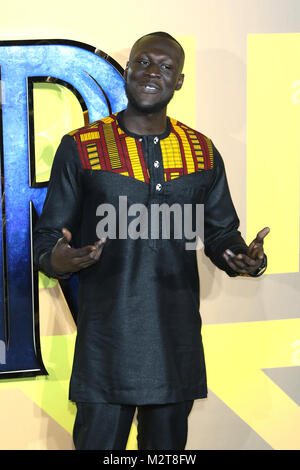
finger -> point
(88, 261)
(83, 251)
(66, 239)
(78, 261)
(256, 248)
(98, 247)
(89, 249)
(232, 265)
(237, 259)
(63, 243)
(100, 243)
(241, 261)
(246, 259)
(96, 253)
(251, 246)
(261, 235)
(239, 264)
(67, 234)
(92, 255)
(257, 242)
(258, 253)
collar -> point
(120, 121)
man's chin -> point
(144, 108)
(149, 108)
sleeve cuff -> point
(46, 267)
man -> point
(138, 331)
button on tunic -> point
(139, 327)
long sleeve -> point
(62, 207)
(220, 219)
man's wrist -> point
(261, 269)
(46, 266)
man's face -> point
(153, 73)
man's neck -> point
(145, 124)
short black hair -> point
(163, 35)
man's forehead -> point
(154, 44)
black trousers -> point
(106, 426)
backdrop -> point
(242, 89)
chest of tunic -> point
(105, 146)
(165, 169)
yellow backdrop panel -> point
(274, 146)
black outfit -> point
(138, 331)
(106, 426)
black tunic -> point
(139, 328)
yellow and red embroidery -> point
(103, 145)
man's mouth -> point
(150, 88)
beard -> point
(147, 109)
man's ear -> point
(179, 81)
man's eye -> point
(166, 67)
(143, 62)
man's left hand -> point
(250, 262)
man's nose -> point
(153, 70)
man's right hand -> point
(65, 259)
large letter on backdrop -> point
(98, 82)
